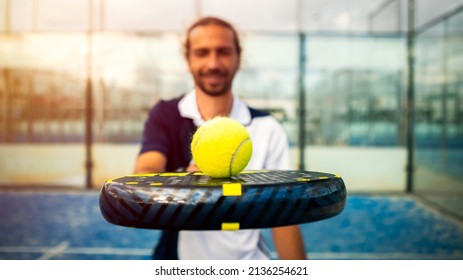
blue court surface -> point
(68, 225)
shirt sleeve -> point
(155, 133)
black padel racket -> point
(195, 201)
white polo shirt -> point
(270, 151)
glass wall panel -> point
(439, 111)
(131, 73)
(355, 91)
(42, 88)
(428, 11)
(389, 16)
(268, 77)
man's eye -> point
(225, 51)
(200, 53)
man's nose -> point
(213, 60)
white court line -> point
(383, 256)
(76, 250)
(63, 248)
(53, 251)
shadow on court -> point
(68, 225)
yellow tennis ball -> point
(221, 147)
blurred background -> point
(368, 89)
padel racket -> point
(195, 201)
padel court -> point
(369, 89)
(55, 224)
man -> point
(213, 54)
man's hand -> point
(150, 162)
(192, 167)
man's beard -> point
(218, 89)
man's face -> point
(213, 59)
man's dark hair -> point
(211, 21)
